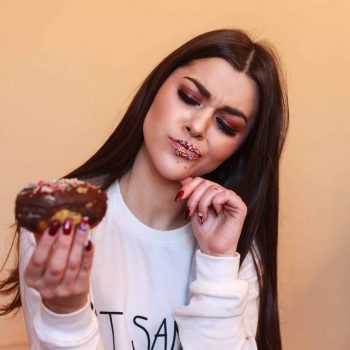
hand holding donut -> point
(60, 213)
(217, 215)
(59, 268)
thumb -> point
(186, 180)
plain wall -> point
(69, 68)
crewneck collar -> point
(136, 227)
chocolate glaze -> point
(38, 202)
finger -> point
(186, 181)
(58, 261)
(82, 280)
(232, 204)
(198, 193)
(37, 264)
(190, 186)
(76, 253)
(206, 200)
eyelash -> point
(187, 99)
(219, 123)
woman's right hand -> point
(60, 266)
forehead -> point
(225, 84)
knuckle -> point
(74, 266)
(36, 262)
(56, 271)
(86, 266)
(216, 201)
(214, 187)
(64, 244)
(208, 183)
(64, 292)
(191, 202)
(244, 208)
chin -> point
(173, 174)
(174, 169)
(178, 170)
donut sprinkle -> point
(61, 185)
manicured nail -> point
(179, 195)
(200, 217)
(67, 226)
(187, 213)
(84, 225)
(88, 246)
(55, 225)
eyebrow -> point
(207, 94)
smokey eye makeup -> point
(220, 124)
(224, 127)
(186, 98)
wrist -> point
(218, 254)
(65, 307)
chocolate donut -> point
(40, 203)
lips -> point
(185, 149)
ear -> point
(186, 180)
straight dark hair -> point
(252, 171)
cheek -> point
(216, 156)
(163, 105)
(221, 151)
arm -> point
(223, 311)
(49, 330)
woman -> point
(186, 255)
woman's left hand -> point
(217, 215)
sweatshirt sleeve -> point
(223, 310)
(46, 329)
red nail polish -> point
(200, 217)
(179, 195)
(88, 246)
(85, 220)
(187, 213)
(67, 226)
(55, 225)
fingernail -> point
(84, 224)
(200, 217)
(179, 195)
(88, 246)
(55, 225)
(67, 226)
(187, 213)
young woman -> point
(186, 254)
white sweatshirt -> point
(150, 290)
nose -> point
(198, 124)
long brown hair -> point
(252, 171)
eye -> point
(225, 128)
(187, 99)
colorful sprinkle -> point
(61, 185)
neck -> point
(150, 196)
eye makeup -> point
(188, 97)
(225, 127)
(206, 94)
(221, 124)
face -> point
(200, 116)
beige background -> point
(69, 68)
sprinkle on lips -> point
(185, 149)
